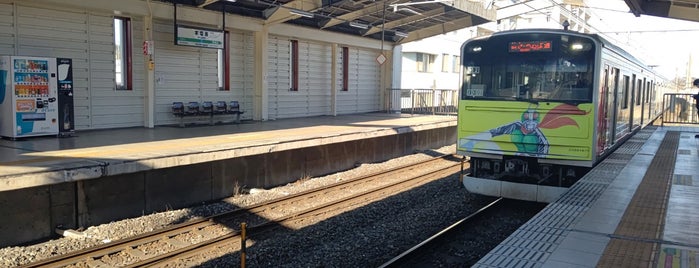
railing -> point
(679, 108)
(424, 101)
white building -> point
(433, 63)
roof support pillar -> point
(333, 79)
(260, 101)
(149, 69)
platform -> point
(638, 208)
(40, 161)
(101, 176)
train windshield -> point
(529, 67)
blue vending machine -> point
(28, 105)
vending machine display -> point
(28, 106)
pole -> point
(242, 245)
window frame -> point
(294, 64)
(345, 68)
(445, 63)
(425, 62)
(126, 52)
(224, 58)
(456, 63)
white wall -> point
(85, 37)
(449, 44)
(83, 31)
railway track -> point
(170, 245)
(446, 247)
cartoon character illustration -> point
(525, 134)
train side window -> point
(639, 84)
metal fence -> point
(680, 108)
(424, 101)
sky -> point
(667, 43)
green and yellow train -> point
(540, 107)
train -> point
(539, 108)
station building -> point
(281, 59)
(325, 67)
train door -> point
(614, 99)
(632, 102)
(643, 107)
(604, 118)
(623, 119)
(649, 100)
(638, 104)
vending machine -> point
(28, 105)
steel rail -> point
(96, 252)
(409, 254)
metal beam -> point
(376, 7)
(406, 20)
(523, 8)
(207, 2)
(443, 28)
(476, 9)
(635, 6)
(281, 13)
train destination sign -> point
(530, 46)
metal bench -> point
(178, 111)
(207, 108)
(234, 108)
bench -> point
(206, 108)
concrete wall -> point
(32, 214)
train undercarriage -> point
(521, 178)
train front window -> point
(529, 67)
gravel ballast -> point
(363, 236)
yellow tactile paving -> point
(636, 239)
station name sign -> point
(199, 37)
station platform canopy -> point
(398, 21)
(674, 9)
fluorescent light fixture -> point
(400, 34)
(358, 25)
(301, 13)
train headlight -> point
(580, 46)
(476, 49)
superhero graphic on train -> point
(526, 134)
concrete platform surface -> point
(40, 161)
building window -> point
(424, 62)
(224, 70)
(455, 63)
(445, 63)
(345, 68)
(294, 72)
(122, 54)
